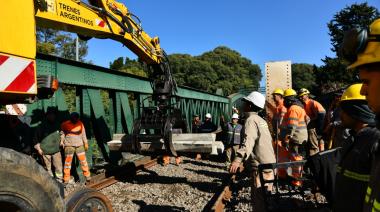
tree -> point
(59, 43)
(220, 68)
(333, 75)
(129, 66)
(303, 76)
(356, 15)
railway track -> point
(102, 181)
(191, 186)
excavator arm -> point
(97, 18)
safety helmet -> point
(256, 98)
(278, 91)
(303, 91)
(235, 116)
(290, 92)
(208, 115)
(361, 46)
(353, 93)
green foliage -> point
(220, 68)
(129, 66)
(61, 44)
(70, 96)
(333, 75)
(356, 15)
(303, 76)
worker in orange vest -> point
(280, 109)
(74, 141)
(293, 131)
(316, 113)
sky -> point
(262, 31)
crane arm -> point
(100, 19)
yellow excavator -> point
(22, 186)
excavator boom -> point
(97, 18)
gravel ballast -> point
(187, 187)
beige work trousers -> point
(56, 160)
(313, 142)
(256, 190)
(231, 153)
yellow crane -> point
(19, 82)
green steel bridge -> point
(109, 101)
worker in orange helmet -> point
(74, 141)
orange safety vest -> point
(312, 108)
(279, 114)
(294, 117)
(71, 129)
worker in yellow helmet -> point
(361, 48)
(316, 113)
(356, 156)
(293, 130)
(278, 110)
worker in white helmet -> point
(256, 146)
(207, 126)
(232, 137)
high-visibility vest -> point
(295, 118)
(278, 116)
(233, 134)
(312, 109)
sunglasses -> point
(354, 42)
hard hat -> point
(303, 91)
(290, 92)
(278, 91)
(235, 116)
(361, 46)
(353, 93)
(208, 115)
(256, 98)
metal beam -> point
(77, 73)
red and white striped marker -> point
(17, 75)
(100, 23)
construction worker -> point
(74, 141)
(256, 147)
(196, 124)
(207, 126)
(47, 143)
(355, 162)
(361, 48)
(293, 133)
(279, 110)
(232, 139)
(316, 113)
(335, 134)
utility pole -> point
(77, 48)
